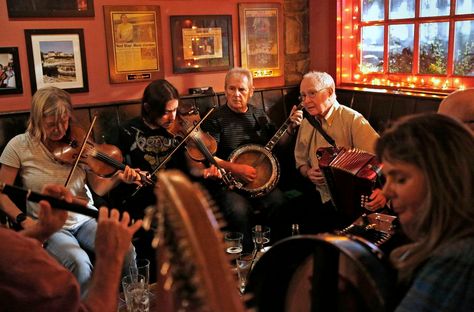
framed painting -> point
(57, 58)
(50, 8)
(261, 38)
(201, 43)
(134, 43)
(10, 73)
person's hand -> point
(114, 234)
(316, 176)
(28, 223)
(244, 173)
(296, 116)
(49, 220)
(129, 176)
(53, 219)
(212, 172)
(377, 200)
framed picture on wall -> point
(56, 57)
(134, 43)
(201, 43)
(261, 38)
(50, 8)
(10, 73)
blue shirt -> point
(445, 282)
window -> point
(419, 44)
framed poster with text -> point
(134, 43)
(201, 43)
(261, 38)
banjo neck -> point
(281, 131)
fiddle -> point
(200, 145)
(102, 159)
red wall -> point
(100, 90)
(322, 35)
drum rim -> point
(373, 272)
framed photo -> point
(261, 38)
(201, 43)
(10, 73)
(134, 43)
(57, 58)
(50, 8)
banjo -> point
(262, 159)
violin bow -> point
(168, 157)
(83, 145)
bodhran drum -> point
(268, 168)
(323, 272)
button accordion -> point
(351, 175)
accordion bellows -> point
(351, 176)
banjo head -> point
(268, 168)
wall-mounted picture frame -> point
(10, 73)
(134, 43)
(261, 38)
(50, 8)
(201, 43)
(57, 57)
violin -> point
(200, 146)
(102, 159)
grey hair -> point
(239, 71)
(324, 79)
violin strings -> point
(105, 158)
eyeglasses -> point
(311, 94)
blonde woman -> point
(28, 157)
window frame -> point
(349, 51)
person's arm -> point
(364, 138)
(242, 172)
(113, 239)
(302, 161)
(199, 170)
(363, 135)
(296, 116)
(8, 175)
(102, 186)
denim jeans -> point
(72, 249)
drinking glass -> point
(244, 264)
(260, 237)
(233, 242)
(142, 268)
(136, 293)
